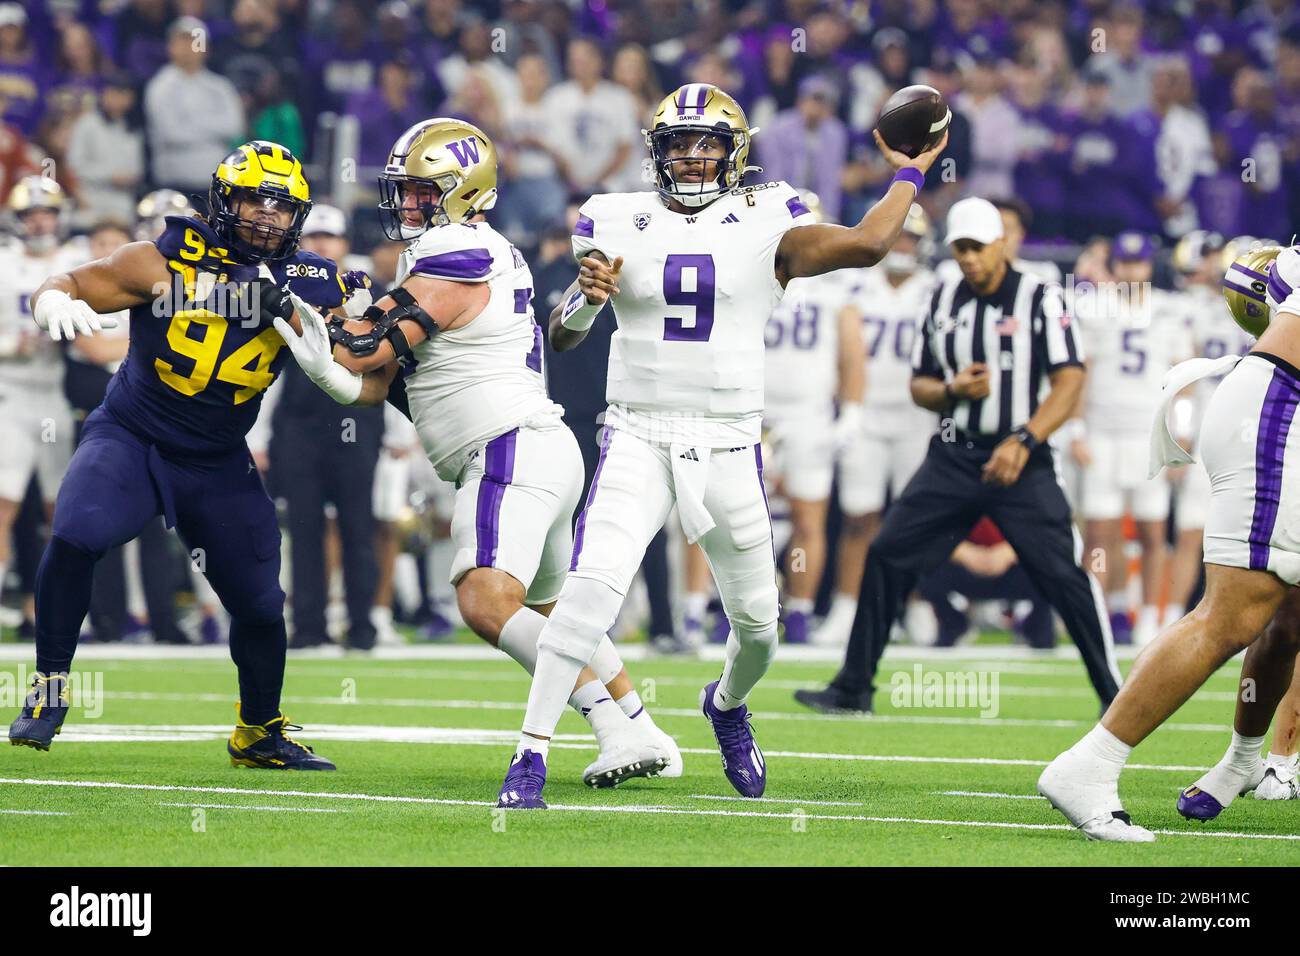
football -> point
(914, 119)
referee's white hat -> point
(974, 218)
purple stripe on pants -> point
(498, 472)
(1270, 449)
(606, 437)
(758, 463)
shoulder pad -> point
(314, 278)
(456, 252)
(191, 242)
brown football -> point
(913, 120)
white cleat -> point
(669, 747)
(635, 758)
(1092, 807)
(1279, 782)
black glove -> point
(273, 302)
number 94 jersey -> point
(696, 290)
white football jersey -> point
(29, 358)
(478, 381)
(1214, 331)
(803, 343)
(696, 290)
(891, 316)
(1131, 343)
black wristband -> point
(1026, 438)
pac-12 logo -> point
(465, 151)
(641, 220)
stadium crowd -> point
(1095, 116)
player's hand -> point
(359, 297)
(848, 426)
(901, 160)
(598, 280)
(312, 350)
(971, 382)
(1006, 463)
(64, 317)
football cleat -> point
(742, 760)
(669, 746)
(269, 747)
(1279, 783)
(1198, 803)
(796, 628)
(43, 713)
(641, 759)
(522, 788)
(1074, 792)
(832, 701)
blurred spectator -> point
(1108, 185)
(1216, 47)
(22, 74)
(807, 146)
(273, 114)
(1183, 149)
(633, 71)
(594, 122)
(778, 85)
(345, 62)
(1219, 194)
(1042, 145)
(142, 37)
(18, 158)
(993, 121)
(1256, 148)
(80, 67)
(1126, 66)
(257, 47)
(475, 53)
(194, 116)
(387, 111)
(106, 155)
(533, 193)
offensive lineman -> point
(814, 355)
(461, 319)
(693, 273)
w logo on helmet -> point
(465, 151)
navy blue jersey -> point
(200, 355)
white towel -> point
(690, 478)
(1165, 449)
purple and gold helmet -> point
(686, 119)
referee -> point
(997, 358)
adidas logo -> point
(731, 217)
(689, 455)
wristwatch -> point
(1026, 438)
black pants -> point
(936, 510)
(1015, 585)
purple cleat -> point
(742, 760)
(796, 628)
(522, 789)
(1195, 804)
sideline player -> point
(693, 270)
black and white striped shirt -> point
(1022, 332)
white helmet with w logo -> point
(439, 171)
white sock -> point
(1288, 761)
(1243, 752)
(1224, 780)
(697, 605)
(630, 703)
(799, 605)
(1106, 750)
(518, 639)
(540, 747)
(1173, 613)
(747, 661)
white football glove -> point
(314, 353)
(848, 426)
(65, 317)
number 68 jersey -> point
(695, 292)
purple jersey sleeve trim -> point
(796, 207)
(585, 227)
(461, 264)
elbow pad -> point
(385, 326)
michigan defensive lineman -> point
(35, 418)
(1133, 334)
(814, 356)
(693, 270)
(889, 301)
(169, 436)
(1252, 560)
(461, 316)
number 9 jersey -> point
(695, 293)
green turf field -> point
(422, 745)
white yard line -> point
(985, 793)
(236, 806)
(761, 800)
(36, 813)
(632, 809)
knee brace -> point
(754, 614)
(583, 615)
